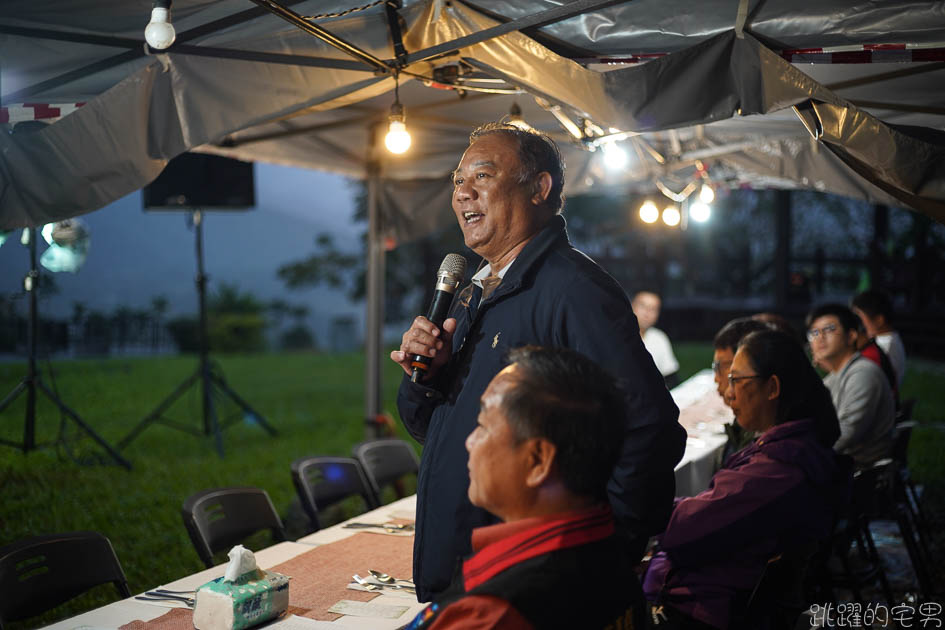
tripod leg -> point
(221, 383)
(211, 423)
(9, 398)
(75, 418)
(159, 410)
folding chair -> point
(778, 598)
(219, 518)
(852, 532)
(892, 502)
(907, 489)
(42, 572)
(323, 481)
(385, 462)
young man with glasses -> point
(859, 389)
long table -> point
(703, 414)
(321, 578)
(320, 567)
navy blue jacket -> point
(554, 296)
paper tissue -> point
(244, 597)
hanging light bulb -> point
(671, 216)
(699, 212)
(516, 119)
(160, 33)
(397, 139)
(649, 213)
(706, 194)
(615, 158)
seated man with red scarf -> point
(547, 438)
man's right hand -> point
(427, 340)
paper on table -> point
(294, 622)
(367, 609)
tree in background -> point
(410, 268)
(236, 323)
(297, 336)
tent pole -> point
(374, 319)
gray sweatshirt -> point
(865, 407)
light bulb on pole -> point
(160, 33)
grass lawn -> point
(314, 401)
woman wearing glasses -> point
(778, 493)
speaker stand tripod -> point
(33, 381)
(208, 375)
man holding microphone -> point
(533, 288)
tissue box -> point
(255, 597)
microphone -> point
(451, 274)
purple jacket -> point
(780, 491)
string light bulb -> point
(671, 216)
(615, 158)
(160, 33)
(649, 213)
(700, 212)
(706, 194)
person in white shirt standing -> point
(646, 306)
(874, 308)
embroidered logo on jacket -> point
(495, 340)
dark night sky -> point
(136, 255)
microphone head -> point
(453, 266)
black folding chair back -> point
(386, 462)
(219, 518)
(893, 501)
(323, 481)
(779, 597)
(42, 572)
(852, 535)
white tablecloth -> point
(703, 414)
(114, 615)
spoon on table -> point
(388, 579)
(368, 585)
(155, 596)
(374, 585)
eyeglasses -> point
(814, 333)
(717, 366)
(732, 378)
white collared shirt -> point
(486, 271)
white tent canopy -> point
(830, 95)
(724, 90)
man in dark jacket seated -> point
(540, 457)
(778, 493)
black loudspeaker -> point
(202, 182)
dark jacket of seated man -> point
(547, 437)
